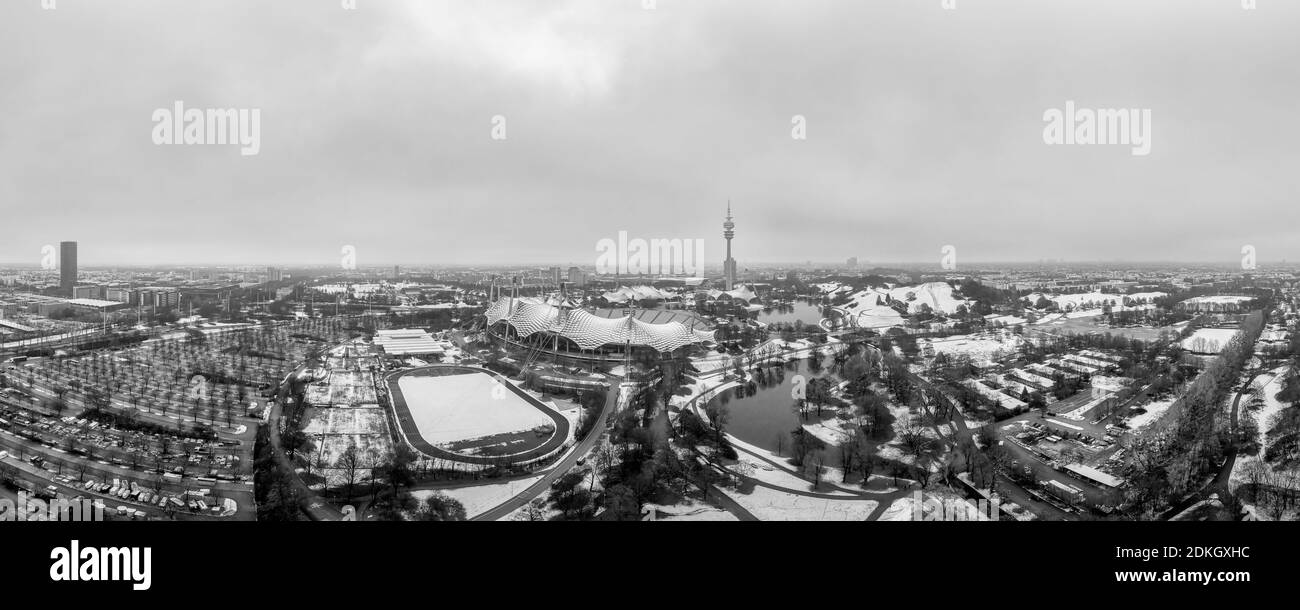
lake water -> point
(805, 311)
(760, 417)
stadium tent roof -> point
(743, 293)
(529, 316)
(623, 294)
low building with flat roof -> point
(1094, 475)
(409, 342)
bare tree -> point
(350, 463)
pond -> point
(766, 414)
(808, 312)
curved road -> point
(884, 499)
(1220, 483)
(597, 432)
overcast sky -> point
(924, 127)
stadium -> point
(560, 329)
(473, 416)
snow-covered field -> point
(1086, 305)
(938, 295)
(980, 347)
(1218, 299)
(1086, 300)
(451, 408)
(1097, 300)
(878, 316)
(1155, 411)
(1145, 297)
(346, 421)
(773, 505)
(1209, 340)
(1007, 320)
(481, 498)
(870, 306)
(1081, 411)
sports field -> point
(460, 412)
(453, 408)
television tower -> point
(729, 264)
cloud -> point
(924, 128)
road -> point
(584, 446)
(1007, 487)
(315, 508)
(1220, 484)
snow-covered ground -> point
(832, 288)
(831, 431)
(711, 361)
(1218, 299)
(1272, 406)
(879, 317)
(1266, 387)
(481, 498)
(1089, 300)
(938, 295)
(1195, 510)
(691, 511)
(1008, 320)
(773, 475)
(1209, 340)
(781, 476)
(1095, 301)
(1155, 410)
(773, 505)
(1078, 413)
(1145, 297)
(451, 408)
(871, 309)
(1110, 383)
(932, 500)
(901, 509)
(979, 347)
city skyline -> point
(728, 268)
